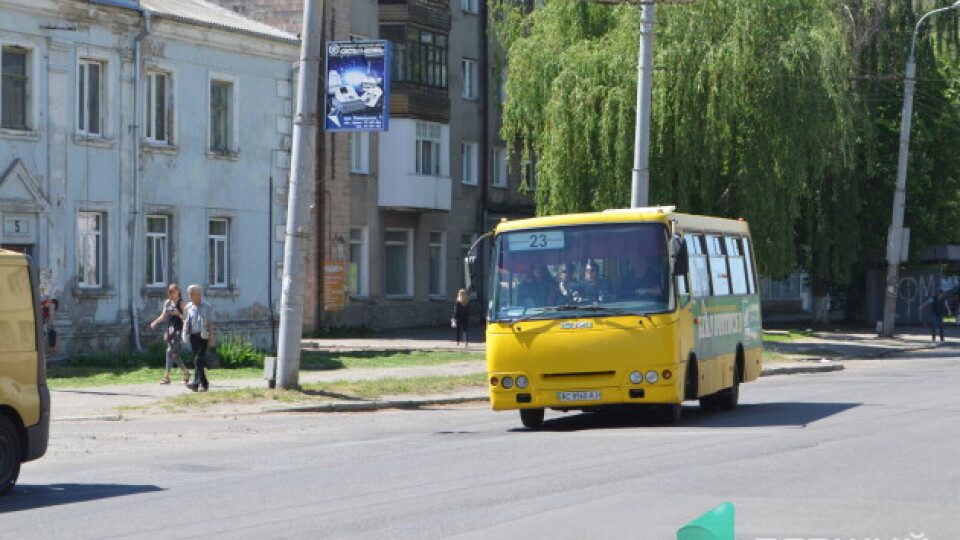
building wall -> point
(52, 172)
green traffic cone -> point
(717, 524)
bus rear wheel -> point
(531, 418)
(11, 454)
(729, 398)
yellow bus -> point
(644, 306)
(24, 396)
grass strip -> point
(368, 390)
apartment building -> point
(401, 207)
(138, 144)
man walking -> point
(938, 308)
(199, 325)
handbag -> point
(212, 359)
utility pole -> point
(640, 187)
(895, 236)
(302, 171)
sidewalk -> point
(826, 351)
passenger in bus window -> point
(537, 288)
(646, 278)
(567, 287)
(592, 288)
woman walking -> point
(461, 315)
(172, 313)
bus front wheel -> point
(11, 453)
(531, 418)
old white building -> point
(143, 143)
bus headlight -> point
(522, 382)
(507, 383)
(652, 377)
(636, 377)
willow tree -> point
(752, 111)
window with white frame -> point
(221, 116)
(468, 161)
(469, 6)
(358, 263)
(468, 72)
(157, 107)
(15, 88)
(360, 152)
(529, 175)
(218, 248)
(90, 93)
(398, 265)
(428, 148)
(499, 177)
(437, 270)
(90, 249)
(466, 240)
(157, 250)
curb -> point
(378, 405)
(790, 370)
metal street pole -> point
(302, 167)
(640, 186)
(895, 236)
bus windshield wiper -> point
(570, 307)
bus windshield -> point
(581, 270)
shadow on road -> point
(785, 414)
(29, 497)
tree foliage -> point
(784, 112)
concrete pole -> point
(895, 236)
(302, 170)
(640, 187)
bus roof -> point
(646, 214)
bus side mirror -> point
(470, 270)
(681, 260)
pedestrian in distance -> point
(171, 313)
(461, 316)
(938, 308)
(198, 325)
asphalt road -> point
(868, 452)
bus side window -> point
(719, 273)
(738, 272)
(748, 260)
(699, 272)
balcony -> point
(400, 187)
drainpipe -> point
(136, 125)
(484, 141)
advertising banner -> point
(334, 285)
(358, 86)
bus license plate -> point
(593, 395)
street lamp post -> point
(895, 236)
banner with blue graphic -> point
(358, 86)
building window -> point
(437, 269)
(466, 240)
(221, 117)
(499, 178)
(360, 152)
(14, 89)
(399, 262)
(157, 108)
(357, 277)
(157, 250)
(419, 56)
(90, 98)
(428, 149)
(469, 6)
(90, 249)
(468, 69)
(529, 176)
(219, 251)
(468, 159)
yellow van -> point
(24, 396)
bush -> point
(236, 351)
